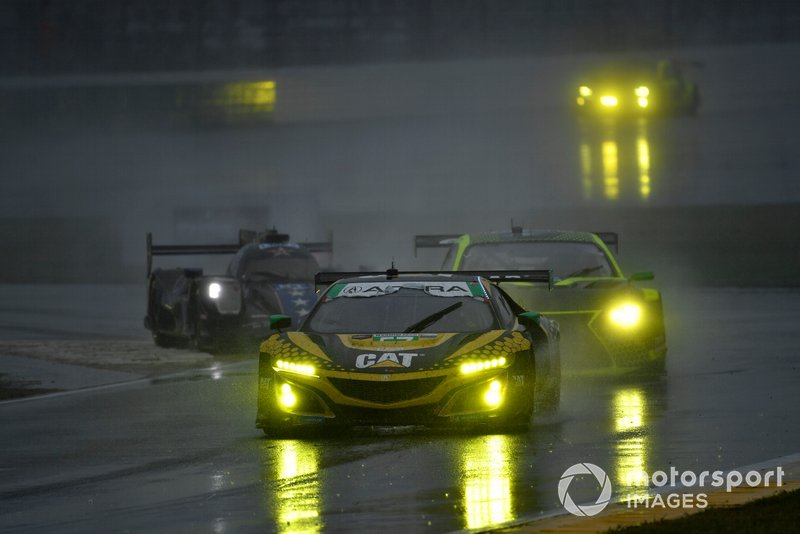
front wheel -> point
(165, 341)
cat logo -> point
(387, 359)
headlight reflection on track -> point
(487, 481)
(631, 446)
(297, 496)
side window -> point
(233, 266)
(503, 310)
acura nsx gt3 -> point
(411, 349)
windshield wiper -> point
(432, 318)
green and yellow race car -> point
(607, 322)
(434, 349)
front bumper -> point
(432, 399)
(588, 342)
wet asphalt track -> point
(181, 454)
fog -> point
(371, 155)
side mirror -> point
(529, 317)
(276, 322)
(641, 276)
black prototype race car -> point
(267, 275)
(393, 348)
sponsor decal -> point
(278, 249)
(296, 299)
(398, 338)
(393, 342)
(386, 359)
(435, 289)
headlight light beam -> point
(214, 289)
(481, 365)
(494, 395)
(626, 315)
(299, 368)
(287, 397)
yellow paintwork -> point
(488, 345)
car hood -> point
(390, 353)
(576, 294)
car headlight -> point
(214, 290)
(609, 101)
(642, 91)
(494, 394)
(297, 368)
(287, 396)
(474, 366)
(626, 315)
(584, 91)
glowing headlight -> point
(474, 367)
(494, 395)
(642, 91)
(609, 101)
(643, 102)
(584, 91)
(626, 315)
(287, 397)
(299, 368)
(214, 289)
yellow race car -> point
(637, 87)
(410, 349)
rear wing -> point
(324, 279)
(611, 239)
(433, 241)
(245, 237)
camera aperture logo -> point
(584, 510)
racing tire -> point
(518, 423)
(197, 341)
(165, 341)
(551, 400)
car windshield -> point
(292, 268)
(628, 71)
(400, 309)
(565, 259)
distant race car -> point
(268, 274)
(410, 349)
(637, 87)
(607, 322)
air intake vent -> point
(386, 392)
